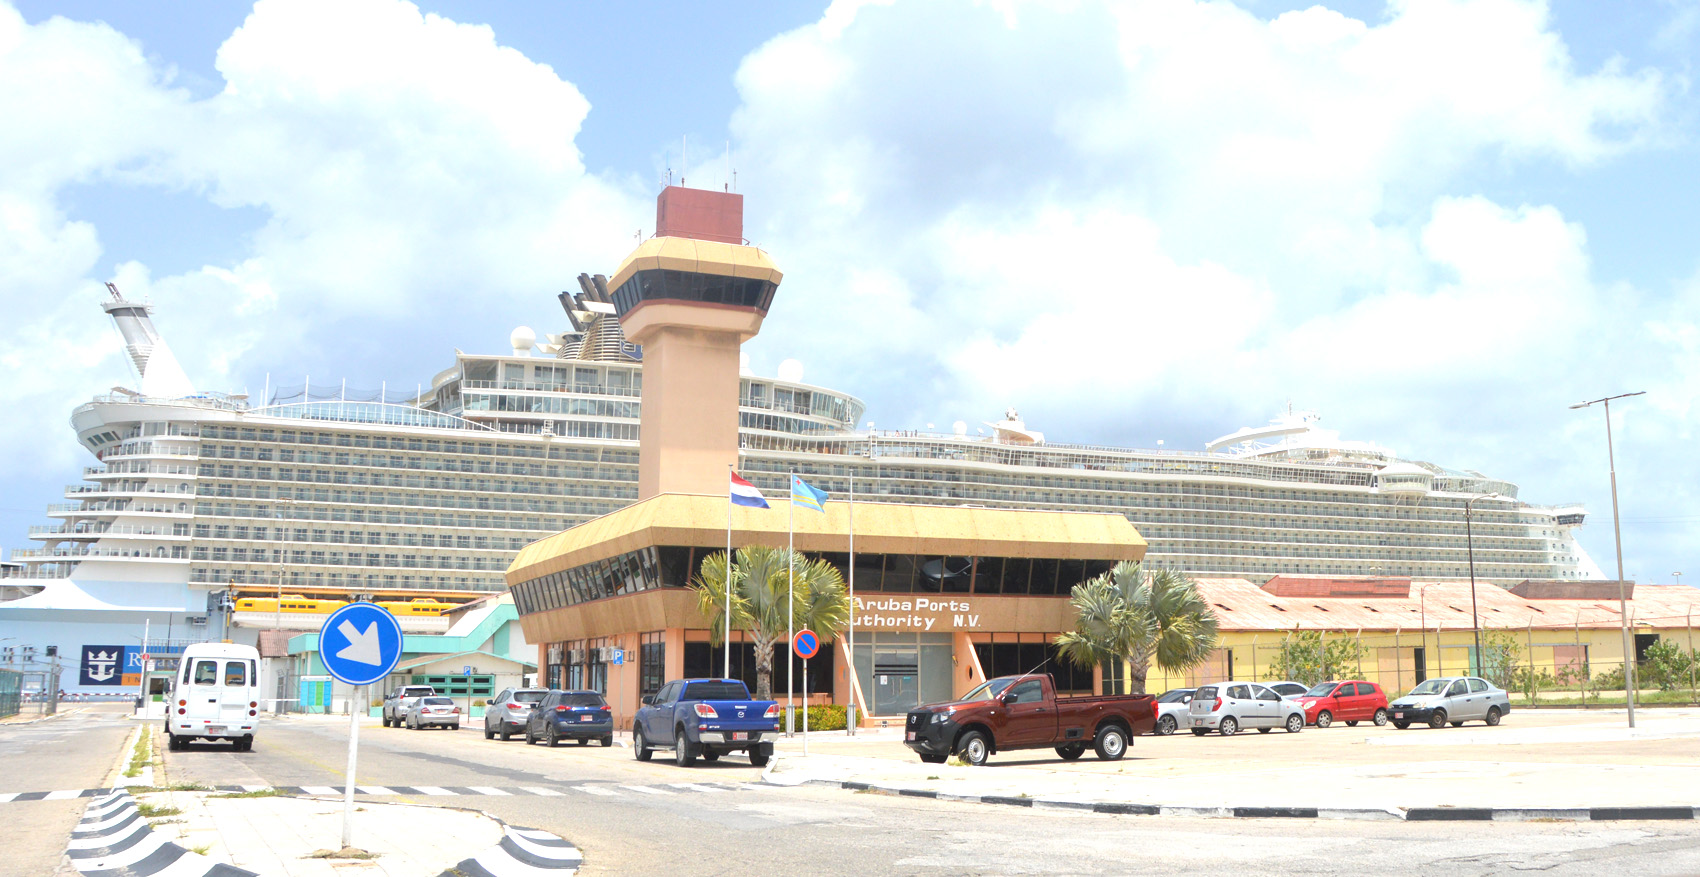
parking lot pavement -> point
(1573, 761)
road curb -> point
(521, 851)
(113, 839)
(1403, 814)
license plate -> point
(740, 735)
(1398, 715)
(587, 718)
(215, 729)
(909, 736)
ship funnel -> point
(157, 367)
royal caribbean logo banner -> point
(105, 665)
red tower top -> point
(703, 214)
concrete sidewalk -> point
(1565, 765)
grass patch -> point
(262, 793)
(344, 853)
(174, 787)
(150, 811)
(142, 755)
(200, 850)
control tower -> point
(691, 295)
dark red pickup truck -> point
(1024, 712)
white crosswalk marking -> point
(488, 790)
(697, 787)
(63, 794)
(542, 792)
(647, 790)
(433, 790)
(8, 796)
(255, 788)
(374, 790)
(593, 790)
(320, 790)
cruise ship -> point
(200, 498)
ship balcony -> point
(147, 452)
(83, 491)
(168, 470)
(45, 570)
(161, 532)
(158, 553)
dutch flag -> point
(745, 493)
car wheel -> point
(1438, 720)
(1326, 718)
(505, 733)
(640, 749)
(759, 760)
(1493, 716)
(1071, 751)
(608, 741)
(530, 738)
(489, 734)
(1229, 727)
(1380, 717)
(939, 759)
(1200, 732)
(973, 748)
(684, 753)
(550, 737)
(1111, 742)
(1401, 725)
(711, 757)
(1296, 723)
(1165, 726)
(171, 741)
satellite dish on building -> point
(791, 370)
(522, 339)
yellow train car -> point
(419, 606)
(291, 603)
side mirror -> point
(649, 700)
(1007, 699)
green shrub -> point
(824, 718)
(1665, 666)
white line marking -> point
(320, 790)
(255, 788)
(63, 794)
(695, 787)
(433, 790)
(542, 792)
(647, 790)
(488, 790)
(374, 790)
(8, 796)
(592, 790)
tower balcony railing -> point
(39, 530)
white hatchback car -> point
(1226, 707)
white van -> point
(215, 696)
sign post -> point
(806, 644)
(359, 645)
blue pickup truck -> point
(706, 717)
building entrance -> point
(900, 671)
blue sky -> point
(1436, 223)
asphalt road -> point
(70, 751)
(631, 817)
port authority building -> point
(944, 597)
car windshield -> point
(1432, 686)
(716, 691)
(529, 696)
(1322, 690)
(1174, 696)
(436, 701)
(990, 689)
(586, 699)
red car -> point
(1349, 702)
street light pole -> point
(1470, 548)
(1617, 535)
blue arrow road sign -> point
(360, 643)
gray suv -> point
(507, 712)
(1455, 699)
(400, 701)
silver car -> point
(399, 702)
(1171, 711)
(507, 712)
(1455, 699)
(1226, 707)
(1288, 689)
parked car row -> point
(1228, 707)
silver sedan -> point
(1226, 707)
(1454, 699)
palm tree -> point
(760, 581)
(1130, 615)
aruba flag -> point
(807, 495)
(745, 493)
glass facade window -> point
(652, 663)
(690, 286)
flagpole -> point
(728, 582)
(856, 684)
(790, 604)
